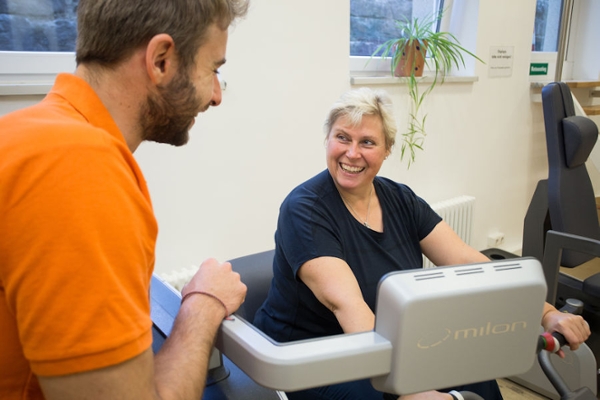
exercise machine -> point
(434, 328)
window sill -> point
(25, 89)
(42, 87)
(31, 73)
(391, 80)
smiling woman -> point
(342, 230)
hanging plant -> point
(419, 40)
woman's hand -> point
(573, 327)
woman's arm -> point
(444, 247)
(333, 283)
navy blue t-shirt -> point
(314, 222)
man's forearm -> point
(180, 366)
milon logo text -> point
(444, 334)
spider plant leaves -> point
(441, 50)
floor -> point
(512, 391)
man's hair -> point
(109, 31)
(364, 101)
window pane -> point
(547, 25)
(372, 22)
(38, 25)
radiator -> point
(178, 279)
(458, 213)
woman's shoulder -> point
(390, 185)
(314, 188)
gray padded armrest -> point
(555, 243)
(591, 286)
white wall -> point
(287, 62)
(584, 57)
(585, 31)
(220, 195)
(485, 138)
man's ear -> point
(161, 60)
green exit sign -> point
(538, 69)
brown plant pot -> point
(412, 60)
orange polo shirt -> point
(77, 241)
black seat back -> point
(256, 271)
(570, 140)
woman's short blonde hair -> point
(365, 101)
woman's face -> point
(355, 154)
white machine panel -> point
(456, 325)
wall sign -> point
(501, 61)
(538, 69)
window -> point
(547, 25)
(37, 41)
(546, 40)
(40, 25)
(372, 23)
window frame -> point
(378, 66)
(32, 73)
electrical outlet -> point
(496, 239)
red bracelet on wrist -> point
(227, 317)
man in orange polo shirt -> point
(77, 226)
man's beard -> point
(168, 115)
